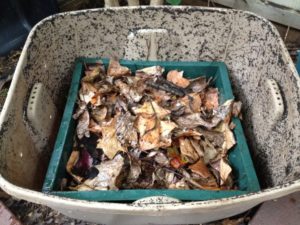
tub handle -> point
(143, 43)
(156, 200)
(276, 99)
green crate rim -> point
(134, 194)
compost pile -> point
(150, 129)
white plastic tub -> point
(262, 74)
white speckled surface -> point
(250, 46)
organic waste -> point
(150, 129)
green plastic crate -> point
(239, 156)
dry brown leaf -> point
(83, 125)
(80, 187)
(199, 84)
(200, 168)
(145, 124)
(87, 92)
(96, 100)
(194, 120)
(150, 71)
(99, 114)
(225, 170)
(201, 186)
(236, 108)
(187, 149)
(80, 109)
(215, 137)
(151, 139)
(229, 137)
(135, 170)
(211, 100)
(94, 127)
(224, 111)
(229, 140)
(181, 184)
(177, 78)
(210, 152)
(109, 142)
(161, 159)
(116, 70)
(187, 133)
(232, 125)
(108, 176)
(198, 148)
(166, 128)
(160, 136)
(192, 103)
(93, 73)
(160, 96)
(73, 159)
(151, 108)
(126, 133)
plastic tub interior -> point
(262, 74)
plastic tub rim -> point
(118, 208)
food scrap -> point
(150, 129)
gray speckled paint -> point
(250, 46)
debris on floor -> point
(283, 211)
(6, 216)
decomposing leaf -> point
(166, 127)
(224, 111)
(116, 70)
(197, 85)
(192, 103)
(126, 133)
(94, 127)
(181, 184)
(87, 92)
(211, 98)
(109, 172)
(187, 133)
(198, 148)
(145, 124)
(194, 120)
(161, 159)
(93, 72)
(229, 140)
(151, 139)
(99, 114)
(109, 142)
(73, 159)
(223, 168)
(80, 109)
(200, 168)
(150, 71)
(83, 125)
(152, 108)
(236, 108)
(96, 100)
(177, 78)
(135, 170)
(187, 149)
(215, 137)
(210, 152)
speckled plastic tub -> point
(262, 75)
